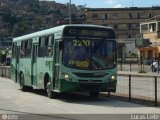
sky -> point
(112, 3)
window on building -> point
(134, 15)
(102, 16)
(136, 26)
(129, 26)
(129, 35)
(106, 17)
(138, 16)
(144, 28)
(94, 15)
(115, 26)
(114, 16)
(130, 15)
(152, 27)
(150, 15)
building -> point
(126, 22)
(151, 30)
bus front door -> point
(56, 65)
(17, 63)
(34, 65)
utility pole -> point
(70, 18)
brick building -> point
(126, 22)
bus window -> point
(51, 40)
(49, 51)
(46, 40)
(41, 47)
(49, 45)
(28, 46)
(22, 52)
(14, 50)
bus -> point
(66, 58)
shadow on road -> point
(83, 98)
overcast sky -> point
(113, 3)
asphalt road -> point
(35, 105)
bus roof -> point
(53, 30)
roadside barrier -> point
(5, 71)
(135, 86)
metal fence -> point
(134, 64)
(136, 86)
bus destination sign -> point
(88, 32)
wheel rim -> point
(21, 81)
(48, 89)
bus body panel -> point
(25, 69)
(44, 67)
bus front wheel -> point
(50, 93)
(93, 94)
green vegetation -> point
(142, 71)
(21, 17)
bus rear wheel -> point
(21, 82)
(50, 93)
(93, 94)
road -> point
(35, 104)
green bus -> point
(66, 58)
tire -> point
(50, 93)
(21, 83)
(93, 94)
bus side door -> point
(56, 65)
(34, 70)
(17, 63)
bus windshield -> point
(89, 54)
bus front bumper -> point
(66, 86)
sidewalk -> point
(135, 73)
(135, 68)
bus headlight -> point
(66, 76)
(114, 77)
